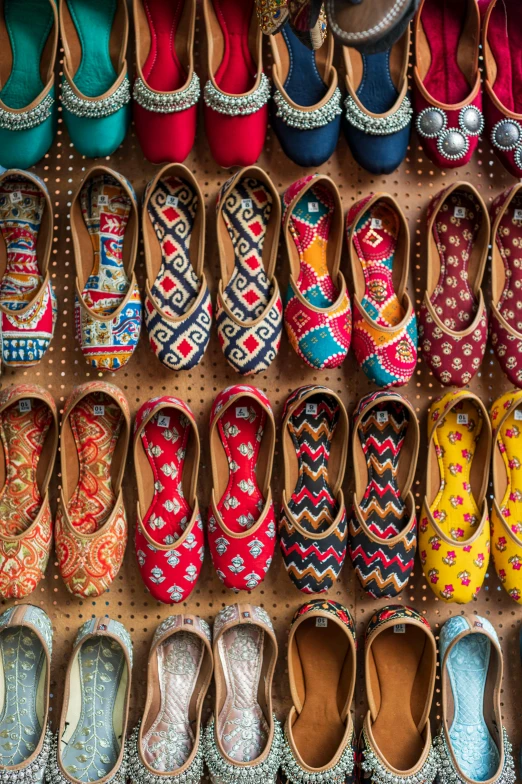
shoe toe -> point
(100, 136)
(378, 154)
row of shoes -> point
(243, 742)
(104, 218)
(316, 528)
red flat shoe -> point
(447, 95)
(237, 92)
(241, 526)
(166, 90)
(501, 45)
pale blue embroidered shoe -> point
(90, 745)
(26, 636)
(472, 745)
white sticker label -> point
(172, 201)
(321, 622)
(163, 421)
(99, 410)
(313, 206)
(242, 412)
(16, 197)
(311, 408)
(518, 414)
(376, 223)
(382, 417)
(459, 212)
(246, 204)
(518, 214)
(24, 406)
(399, 628)
(462, 419)
(103, 200)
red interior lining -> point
(507, 52)
(237, 71)
(443, 22)
(509, 242)
(163, 70)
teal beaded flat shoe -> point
(28, 110)
(96, 90)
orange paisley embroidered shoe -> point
(29, 432)
(91, 525)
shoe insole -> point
(22, 205)
(475, 750)
(509, 243)
(375, 240)
(246, 213)
(319, 729)
(312, 428)
(397, 659)
(455, 231)
(303, 84)
(241, 429)
(96, 423)
(106, 209)
(382, 431)
(29, 24)
(237, 71)
(165, 438)
(310, 227)
(22, 659)
(93, 20)
(172, 210)
(169, 741)
(443, 22)
(505, 40)
(377, 92)
(93, 748)
(162, 69)
(23, 435)
(455, 438)
(241, 725)
(509, 441)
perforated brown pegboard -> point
(413, 185)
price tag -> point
(311, 408)
(518, 414)
(518, 214)
(313, 206)
(382, 417)
(99, 410)
(24, 406)
(163, 421)
(462, 419)
(103, 200)
(399, 628)
(16, 197)
(172, 201)
(246, 204)
(242, 412)
(459, 212)
(376, 223)
(321, 623)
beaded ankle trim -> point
(448, 774)
(296, 774)
(379, 774)
(234, 105)
(227, 773)
(139, 774)
(94, 108)
(306, 120)
(22, 121)
(378, 126)
(167, 103)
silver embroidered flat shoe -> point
(166, 744)
(26, 636)
(90, 745)
(243, 740)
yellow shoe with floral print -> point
(506, 512)
(454, 532)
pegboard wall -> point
(413, 185)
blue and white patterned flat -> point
(472, 744)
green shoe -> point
(95, 89)
(28, 110)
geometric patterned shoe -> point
(319, 743)
(27, 300)
(91, 523)
(395, 744)
(472, 744)
(453, 327)
(104, 227)
(383, 528)
(26, 639)
(318, 316)
(29, 431)
(313, 524)
(166, 745)
(249, 307)
(384, 328)
(90, 744)
(178, 309)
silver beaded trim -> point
(296, 774)
(378, 126)
(234, 105)
(430, 122)
(92, 107)
(167, 103)
(448, 774)
(22, 121)
(445, 139)
(452, 143)
(54, 775)
(306, 120)
(379, 774)
(502, 139)
(34, 771)
(139, 774)
(471, 120)
(228, 773)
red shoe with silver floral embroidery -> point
(241, 526)
(169, 540)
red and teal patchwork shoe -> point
(319, 737)
(318, 315)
